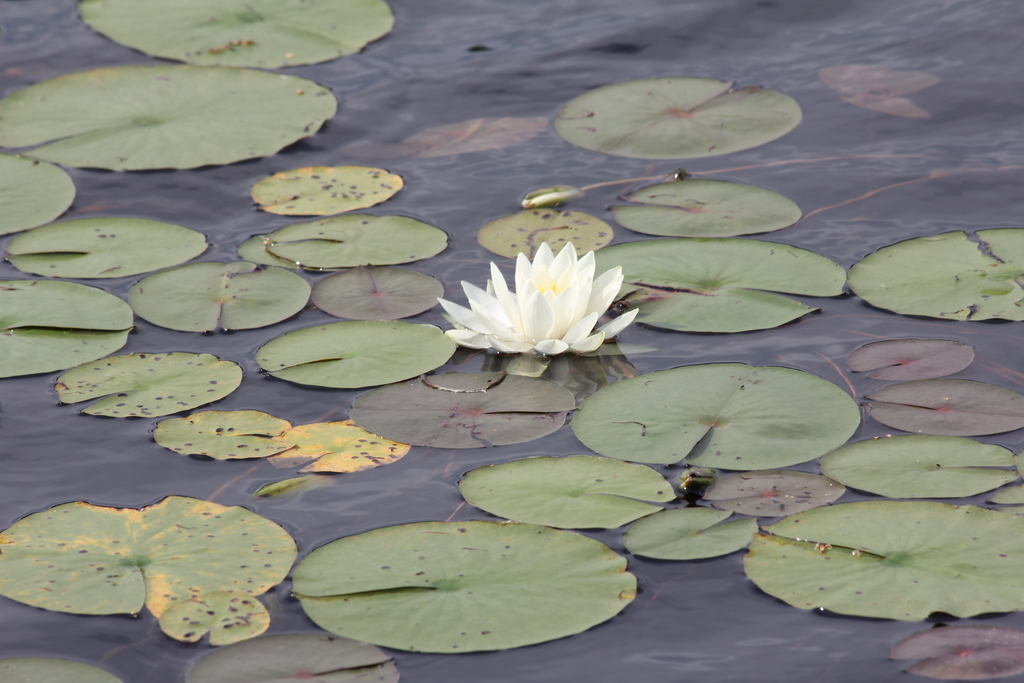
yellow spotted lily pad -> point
(337, 447)
(229, 617)
(325, 190)
(224, 435)
(527, 230)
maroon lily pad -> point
(376, 293)
(772, 493)
(464, 410)
(909, 359)
(964, 653)
(948, 407)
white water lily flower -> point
(554, 309)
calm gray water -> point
(692, 620)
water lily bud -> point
(552, 196)
(697, 479)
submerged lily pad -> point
(706, 208)
(915, 466)
(670, 118)
(462, 586)
(352, 240)
(31, 193)
(323, 190)
(355, 354)
(260, 33)
(291, 486)
(46, 326)
(472, 135)
(144, 117)
(688, 534)
(893, 560)
(581, 491)
(878, 88)
(149, 384)
(964, 653)
(372, 293)
(103, 247)
(228, 617)
(714, 285)
(224, 435)
(295, 658)
(947, 276)
(725, 415)
(772, 493)
(337, 447)
(527, 230)
(948, 407)
(86, 559)
(907, 359)
(236, 296)
(464, 410)
(47, 670)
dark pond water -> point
(692, 620)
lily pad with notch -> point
(726, 415)
(947, 276)
(51, 670)
(259, 33)
(471, 135)
(919, 466)
(1010, 495)
(705, 208)
(893, 560)
(772, 493)
(149, 384)
(336, 447)
(964, 653)
(32, 193)
(227, 616)
(87, 559)
(878, 88)
(376, 293)
(576, 492)
(671, 118)
(908, 359)
(354, 354)
(200, 297)
(147, 117)
(689, 534)
(46, 326)
(103, 247)
(224, 435)
(295, 658)
(527, 230)
(947, 407)
(324, 190)
(462, 586)
(464, 410)
(719, 285)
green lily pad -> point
(670, 118)
(86, 559)
(355, 354)
(462, 586)
(144, 117)
(688, 534)
(706, 208)
(31, 193)
(253, 250)
(581, 491)
(103, 247)
(714, 285)
(907, 359)
(295, 658)
(964, 653)
(353, 240)
(372, 293)
(1011, 495)
(149, 384)
(948, 407)
(915, 466)
(725, 415)
(772, 493)
(527, 230)
(47, 670)
(236, 296)
(893, 560)
(46, 326)
(224, 435)
(324, 190)
(464, 410)
(261, 33)
(947, 276)
(228, 617)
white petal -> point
(551, 347)
(506, 299)
(503, 346)
(564, 263)
(490, 325)
(606, 288)
(581, 329)
(564, 314)
(469, 339)
(591, 343)
(615, 326)
(524, 273)
(487, 302)
(462, 316)
(538, 318)
(543, 257)
(585, 267)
